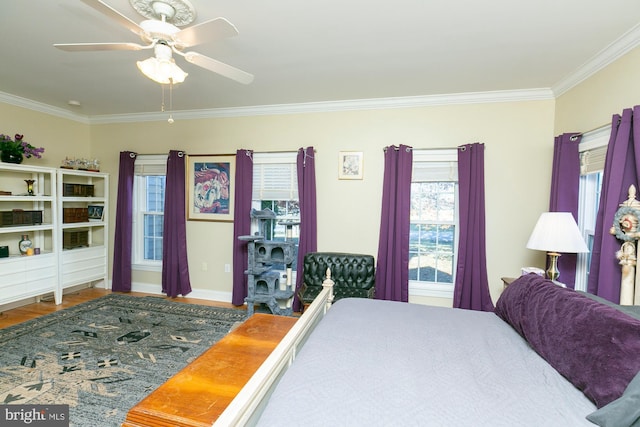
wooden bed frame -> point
(248, 404)
(229, 384)
(201, 391)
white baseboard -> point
(205, 294)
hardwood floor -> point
(46, 305)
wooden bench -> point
(199, 393)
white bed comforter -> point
(380, 363)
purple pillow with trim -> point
(593, 345)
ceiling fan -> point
(161, 33)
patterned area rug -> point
(103, 356)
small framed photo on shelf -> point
(95, 212)
(350, 164)
(210, 187)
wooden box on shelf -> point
(77, 190)
(20, 217)
(75, 239)
(70, 215)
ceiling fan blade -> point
(85, 47)
(219, 67)
(114, 14)
(211, 30)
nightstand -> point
(506, 281)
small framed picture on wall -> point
(350, 164)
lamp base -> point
(552, 271)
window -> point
(433, 238)
(275, 187)
(593, 150)
(589, 200)
(148, 211)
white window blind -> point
(275, 176)
(434, 165)
(593, 150)
(592, 160)
(151, 164)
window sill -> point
(147, 267)
(430, 290)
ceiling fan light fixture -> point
(163, 71)
(160, 32)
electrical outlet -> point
(227, 268)
(205, 267)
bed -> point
(369, 362)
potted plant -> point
(14, 150)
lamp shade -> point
(557, 232)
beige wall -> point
(593, 102)
(59, 137)
(518, 138)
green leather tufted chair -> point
(354, 275)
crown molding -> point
(335, 106)
(300, 108)
(29, 104)
(623, 45)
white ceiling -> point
(307, 51)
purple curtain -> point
(621, 169)
(306, 169)
(471, 289)
(175, 269)
(565, 187)
(121, 276)
(241, 223)
(392, 266)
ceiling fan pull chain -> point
(170, 120)
(162, 104)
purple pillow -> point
(593, 345)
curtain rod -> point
(278, 151)
(133, 154)
(459, 147)
(604, 126)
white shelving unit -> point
(22, 276)
(87, 263)
(56, 267)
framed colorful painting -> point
(210, 187)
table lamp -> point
(555, 233)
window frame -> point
(435, 289)
(145, 165)
(588, 196)
(278, 158)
